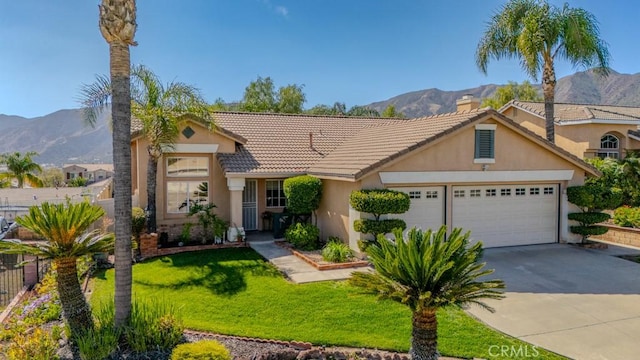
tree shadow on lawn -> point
(222, 271)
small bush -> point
(153, 325)
(303, 193)
(370, 226)
(35, 345)
(303, 236)
(589, 230)
(138, 220)
(201, 350)
(101, 341)
(336, 251)
(593, 197)
(627, 216)
(589, 217)
(380, 201)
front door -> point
(250, 205)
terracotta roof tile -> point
(575, 112)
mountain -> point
(63, 137)
(585, 87)
(60, 137)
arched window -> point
(609, 147)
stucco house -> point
(474, 168)
(91, 172)
(584, 130)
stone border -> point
(620, 235)
(149, 247)
(322, 267)
(300, 345)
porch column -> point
(236, 187)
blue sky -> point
(353, 51)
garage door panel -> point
(427, 207)
(507, 215)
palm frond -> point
(94, 98)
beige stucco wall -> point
(582, 140)
(333, 213)
(218, 190)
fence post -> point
(30, 270)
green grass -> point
(234, 291)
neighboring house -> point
(586, 131)
(91, 172)
(475, 169)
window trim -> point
(606, 152)
(480, 129)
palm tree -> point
(537, 33)
(118, 27)
(426, 272)
(161, 110)
(21, 168)
(65, 228)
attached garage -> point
(427, 207)
(507, 215)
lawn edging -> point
(149, 247)
(319, 266)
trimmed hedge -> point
(592, 197)
(589, 217)
(380, 201)
(303, 194)
(589, 230)
(370, 226)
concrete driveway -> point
(581, 303)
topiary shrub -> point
(303, 194)
(370, 226)
(591, 199)
(378, 202)
(201, 350)
(627, 216)
(336, 251)
(303, 236)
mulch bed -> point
(314, 258)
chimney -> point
(467, 103)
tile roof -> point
(567, 113)
(92, 167)
(375, 146)
(281, 144)
(136, 128)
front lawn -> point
(236, 292)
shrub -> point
(370, 226)
(593, 197)
(380, 201)
(201, 350)
(101, 341)
(627, 216)
(138, 220)
(303, 194)
(303, 236)
(586, 231)
(212, 225)
(336, 251)
(35, 345)
(153, 325)
(589, 217)
(77, 182)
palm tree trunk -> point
(152, 171)
(121, 115)
(424, 335)
(74, 305)
(549, 89)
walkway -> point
(296, 269)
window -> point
(475, 193)
(484, 143)
(548, 191)
(521, 191)
(431, 194)
(181, 195)
(534, 191)
(490, 193)
(187, 166)
(609, 147)
(458, 193)
(415, 194)
(505, 192)
(275, 193)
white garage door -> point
(427, 207)
(507, 215)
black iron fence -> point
(11, 277)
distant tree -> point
(220, 105)
(511, 91)
(391, 112)
(321, 109)
(77, 182)
(261, 96)
(363, 111)
(340, 109)
(52, 177)
(536, 33)
(290, 99)
(22, 168)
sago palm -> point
(64, 226)
(22, 168)
(537, 33)
(427, 271)
(160, 109)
